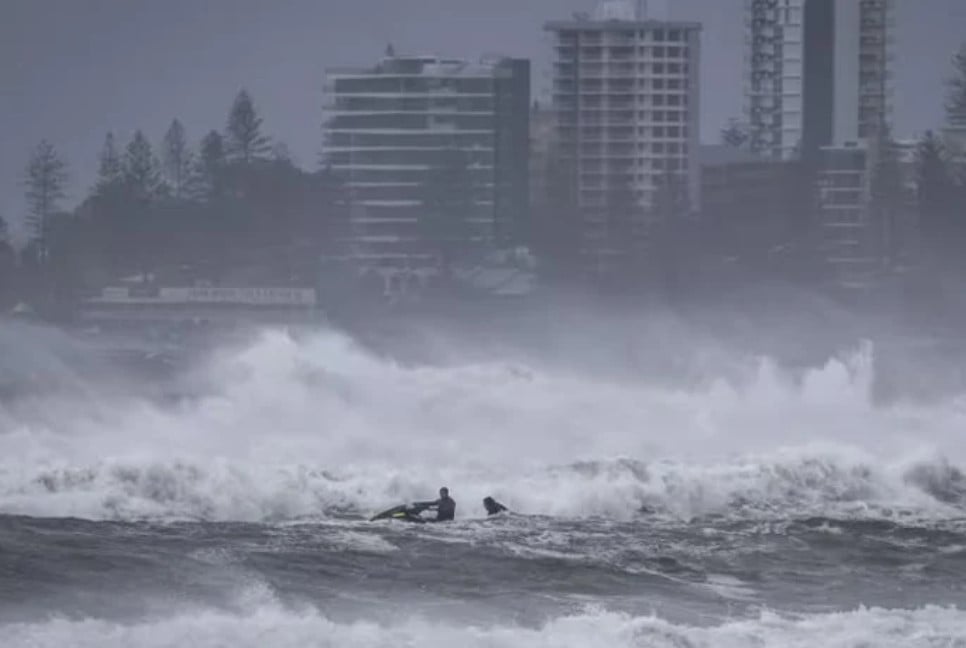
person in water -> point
(445, 506)
(492, 506)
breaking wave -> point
(926, 627)
(290, 428)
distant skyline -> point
(70, 70)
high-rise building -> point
(391, 126)
(625, 96)
(817, 73)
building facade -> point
(391, 129)
(817, 73)
(626, 101)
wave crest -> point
(926, 627)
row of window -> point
(589, 52)
(567, 106)
(417, 139)
(568, 36)
(657, 164)
(590, 133)
(588, 116)
(413, 121)
(671, 148)
(566, 70)
(430, 157)
(427, 84)
(565, 83)
(413, 103)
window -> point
(673, 52)
(675, 35)
(674, 68)
(674, 131)
(659, 52)
(672, 100)
(659, 100)
(658, 68)
(659, 84)
(658, 35)
(659, 131)
(674, 84)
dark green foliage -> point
(45, 180)
(177, 160)
(110, 172)
(956, 99)
(735, 134)
(940, 212)
(140, 169)
(244, 141)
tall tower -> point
(625, 95)
(817, 73)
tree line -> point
(234, 200)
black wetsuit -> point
(445, 509)
(492, 506)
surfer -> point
(492, 506)
(445, 506)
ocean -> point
(723, 500)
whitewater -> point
(740, 501)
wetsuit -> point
(445, 509)
(492, 506)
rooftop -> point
(392, 65)
(587, 24)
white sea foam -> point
(297, 428)
(269, 624)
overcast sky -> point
(72, 69)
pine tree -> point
(140, 168)
(936, 193)
(244, 139)
(956, 100)
(177, 160)
(110, 171)
(46, 176)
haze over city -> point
(154, 60)
(488, 324)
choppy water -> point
(771, 509)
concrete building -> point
(817, 73)
(389, 127)
(626, 100)
(850, 242)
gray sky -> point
(72, 69)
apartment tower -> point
(817, 73)
(625, 97)
(388, 129)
